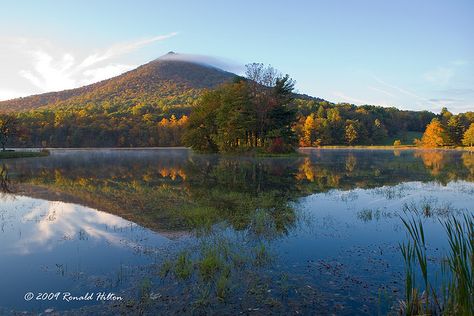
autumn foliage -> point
(435, 135)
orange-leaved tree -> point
(434, 135)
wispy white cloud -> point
(443, 99)
(397, 88)
(381, 91)
(458, 91)
(49, 68)
(440, 75)
(49, 74)
(6, 94)
(443, 75)
(460, 62)
(343, 97)
(121, 49)
(219, 62)
(101, 73)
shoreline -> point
(328, 147)
(381, 147)
(11, 154)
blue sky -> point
(408, 54)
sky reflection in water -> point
(347, 208)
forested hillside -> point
(160, 83)
(150, 106)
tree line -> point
(90, 127)
(449, 130)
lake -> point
(167, 231)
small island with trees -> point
(250, 113)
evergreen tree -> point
(455, 130)
(379, 131)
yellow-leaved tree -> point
(434, 135)
(468, 137)
(308, 131)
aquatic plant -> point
(457, 292)
(261, 255)
(414, 252)
(461, 264)
(183, 266)
(215, 262)
(210, 264)
(145, 290)
(223, 284)
(165, 269)
(429, 207)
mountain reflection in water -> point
(90, 215)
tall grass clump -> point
(461, 265)
(456, 294)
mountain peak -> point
(171, 76)
(168, 55)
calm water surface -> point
(170, 231)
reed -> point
(457, 292)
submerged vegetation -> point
(219, 265)
(456, 294)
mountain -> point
(169, 79)
(150, 105)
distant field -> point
(405, 137)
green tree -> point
(455, 130)
(202, 128)
(379, 132)
(445, 115)
(7, 128)
(351, 132)
(282, 117)
(271, 95)
(227, 119)
(235, 118)
(321, 112)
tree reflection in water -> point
(5, 183)
(175, 189)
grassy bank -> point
(22, 154)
